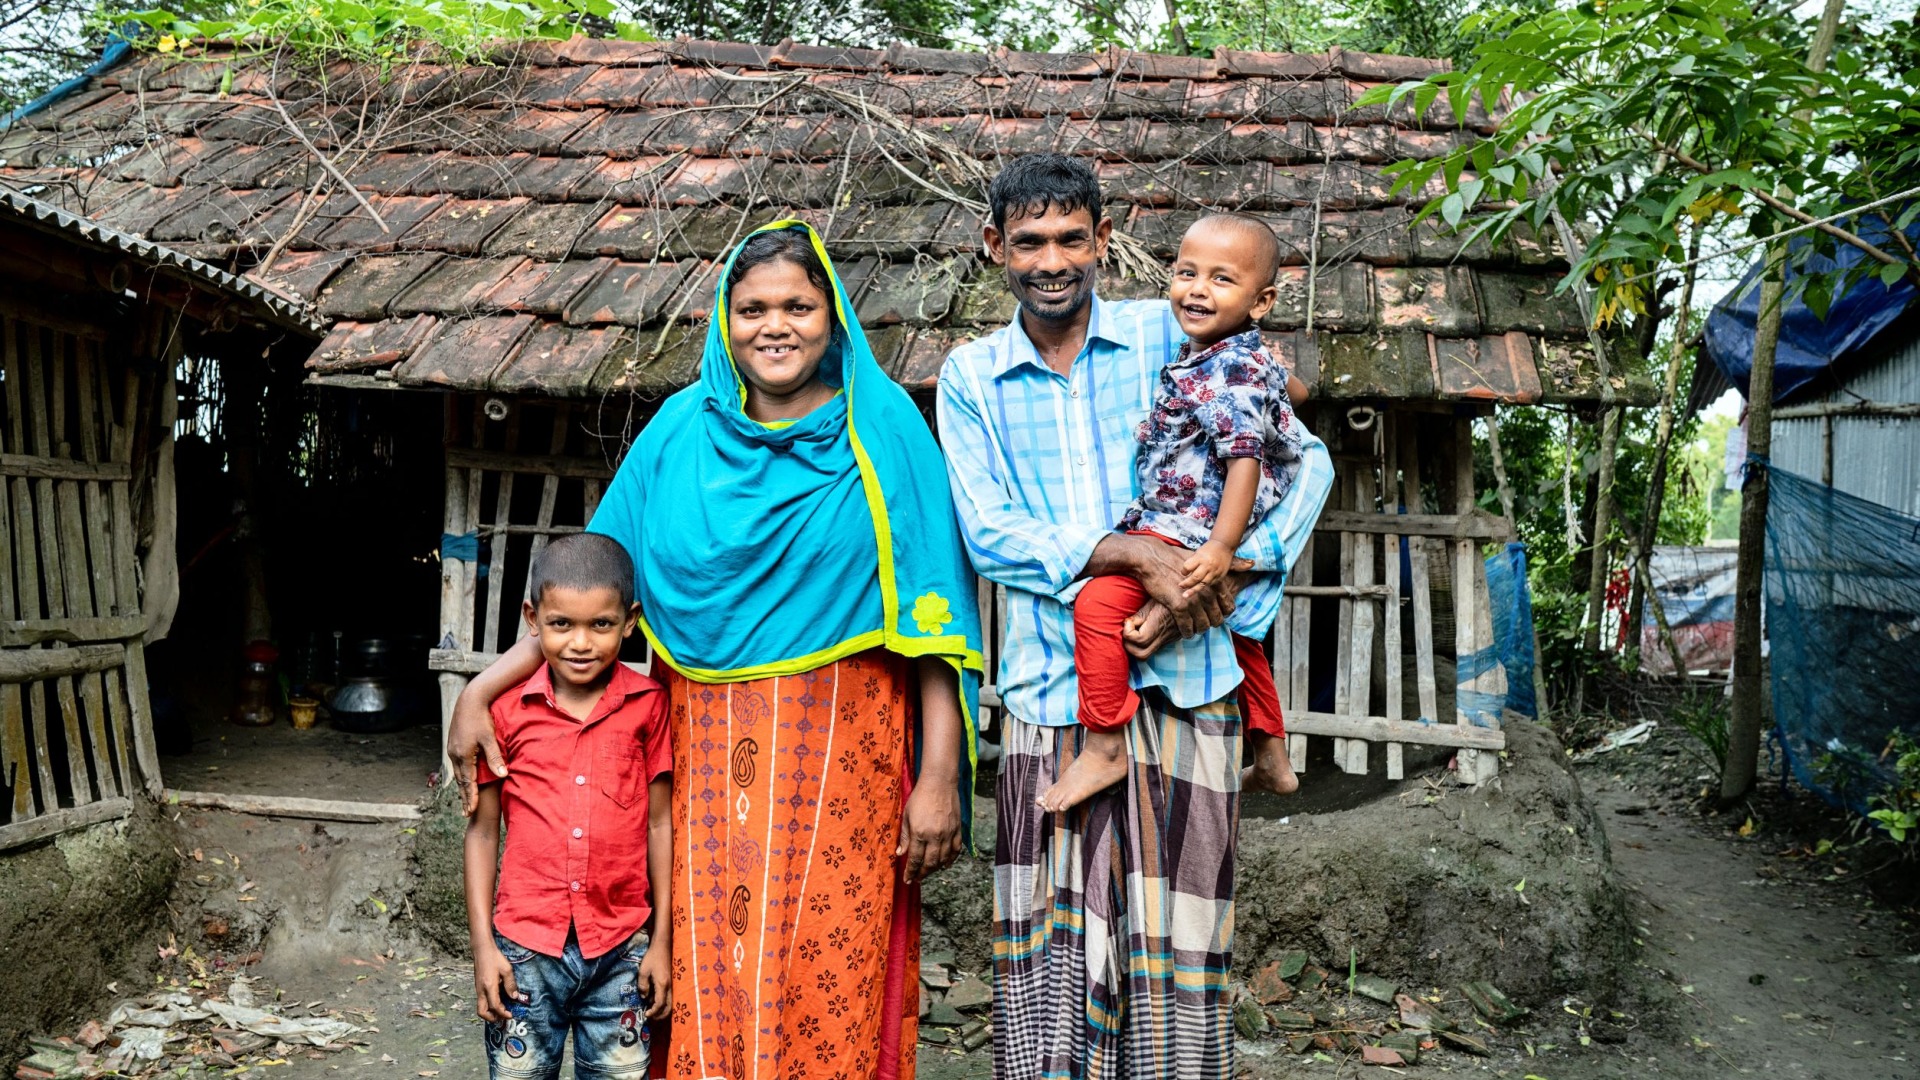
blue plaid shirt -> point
(1042, 466)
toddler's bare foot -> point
(1102, 763)
(1270, 771)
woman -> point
(800, 573)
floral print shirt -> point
(1226, 401)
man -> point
(1113, 921)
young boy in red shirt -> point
(577, 937)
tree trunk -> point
(1602, 527)
(1662, 441)
(1744, 723)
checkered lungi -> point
(1114, 922)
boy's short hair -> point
(1032, 183)
(582, 561)
(1257, 232)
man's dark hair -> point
(582, 561)
(1031, 184)
(1257, 232)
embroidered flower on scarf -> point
(931, 613)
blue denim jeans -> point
(597, 1000)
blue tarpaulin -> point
(1808, 343)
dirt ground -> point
(1754, 958)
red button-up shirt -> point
(575, 802)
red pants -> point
(1107, 700)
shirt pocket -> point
(623, 774)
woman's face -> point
(779, 324)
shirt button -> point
(1081, 460)
(576, 886)
(579, 779)
(1074, 393)
(578, 833)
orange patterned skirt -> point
(796, 948)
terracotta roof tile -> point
(1374, 366)
(822, 56)
(1493, 368)
(910, 292)
(632, 294)
(615, 88)
(545, 231)
(624, 181)
(396, 174)
(220, 218)
(303, 273)
(563, 361)
(1342, 298)
(455, 286)
(586, 50)
(530, 131)
(1438, 299)
(1281, 65)
(892, 232)
(358, 231)
(651, 374)
(550, 179)
(364, 288)
(685, 87)
(1381, 67)
(938, 61)
(359, 346)
(630, 232)
(545, 288)
(462, 226)
(1059, 65)
(553, 87)
(1124, 63)
(692, 299)
(149, 206)
(1516, 301)
(918, 367)
(465, 353)
(245, 166)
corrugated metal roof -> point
(1874, 457)
(280, 308)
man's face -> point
(1052, 259)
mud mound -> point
(76, 914)
(1435, 885)
(1422, 882)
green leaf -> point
(1891, 273)
(1452, 208)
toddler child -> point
(1218, 451)
(576, 940)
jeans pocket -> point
(635, 949)
(515, 952)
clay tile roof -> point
(555, 216)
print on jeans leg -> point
(510, 1038)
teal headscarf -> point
(771, 550)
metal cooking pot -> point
(365, 704)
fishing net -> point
(1843, 622)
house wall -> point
(1875, 458)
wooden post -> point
(1426, 683)
(1360, 668)
(453, 590)
(1300, 628)
(1390, 570)
(1475, 766)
